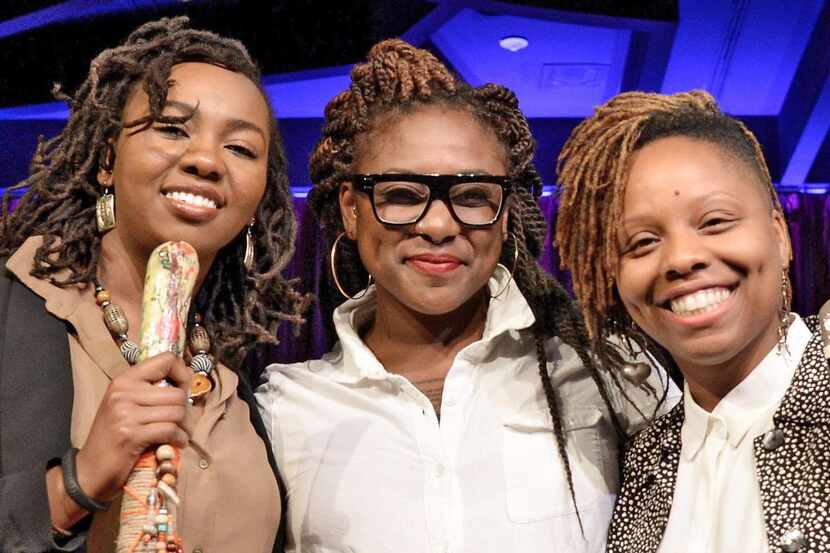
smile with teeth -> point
(192, 199)
(699, 302)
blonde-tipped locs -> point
(593, 170)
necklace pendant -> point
(200, 386)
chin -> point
(705, 352)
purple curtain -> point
(808, 216)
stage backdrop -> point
(808, 216)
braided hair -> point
(593, 169)
(396, 79)
(240, 308)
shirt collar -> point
(74, 303)
(756, 395)
(509, 311)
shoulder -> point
(309, 374)
(653, 436)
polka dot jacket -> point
(792, 464)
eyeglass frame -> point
(439, 189)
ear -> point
(105, 165)
(505, 219)
(783, 238)
(348, 209)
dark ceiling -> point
(282, 35)
(766, 62)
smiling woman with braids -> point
(676, 239)
(461, 410)
(174, 126)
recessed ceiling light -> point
(514, 43)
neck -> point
(709, 384)
(404, 340)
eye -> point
(172, 131)
(716, 223)
(401, 194)
(641, 245)
(242, 151)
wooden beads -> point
(116, 319)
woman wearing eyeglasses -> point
(460, 410)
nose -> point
(438, 225)
(203, 159)
(684, 255)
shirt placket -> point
(710, 477)
(198, 484)
(455, 403)
(428, 438)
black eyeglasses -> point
(403, 199)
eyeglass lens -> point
(400, 202)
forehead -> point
(431, 139)
(215, 90)
(681, 167)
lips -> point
(194, 203)
(434, 264)
(192, 199)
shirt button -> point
(203, 464)
(793, 540)
(439, 470)
(773, 440)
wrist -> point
(63, 511)
(73, 488)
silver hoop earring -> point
(509, 271)
(248, 259)
(334, 272)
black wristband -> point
(73, 489)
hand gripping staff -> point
(149, 504)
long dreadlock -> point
(396, 79)
(240, 308)
(593, 170)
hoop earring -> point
(509, 271)
(248, 258)
(105, 212)
(334, 272)
(784, 312)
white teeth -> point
(700, 302)
(191, 199)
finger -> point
(180, 374)
(164, 413)
(158, 396)
(155, 368)
(157, 433)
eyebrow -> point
(232, 125)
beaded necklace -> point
(201, 361)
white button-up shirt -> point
(368, 467)
(717, 500)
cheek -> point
(252, 184)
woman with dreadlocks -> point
(676, 240)
(172, 133)
(461, 409)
